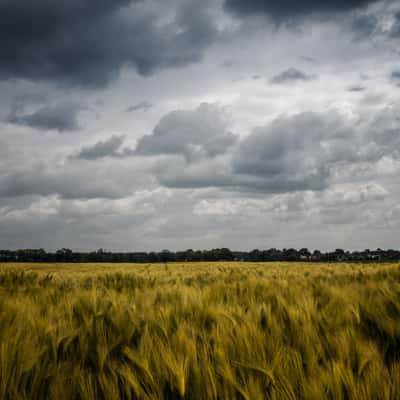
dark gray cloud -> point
(291, 75)
(85, 43)
(395, 28)
(290, 154)
(356, 88)
(59, 117)
(383, 131)
(395, 77)
(302, 152)
(193, 134)
(327, 154)
(142, 105)
(363, 26)
(285, 10)
(101, 149)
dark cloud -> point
(364, 26)
(142, 105)
(204, 176)
(384, 132)
(193, 134)
(86, 42)
(292, 153)
(356, 88)
(101, 149)
(291, 75)
(395, 77)
(285, 10)
(395, 28)
(59, 117)
(288, 154)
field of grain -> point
(200, 331)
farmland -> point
(200, 331)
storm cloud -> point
(142, 105)
(291, 75)
(85, 43)
(106, 148)
(59, 117)
(193, 134)
(285, 156)
(306, 151)
(395, 77)
(143, 125)
(290, 9)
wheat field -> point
(200, 331)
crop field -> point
(200, 331)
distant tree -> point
(304, 253)
(166, 256)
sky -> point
(141, 125)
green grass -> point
(200, 331)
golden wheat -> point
(200, 331)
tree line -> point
(220, 254)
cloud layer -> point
(292, 153)
(143, 125)
(86, 43)
(201, 133)
(290, 9)
(59, 117)
(291, 75)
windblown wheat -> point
(200, 331)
